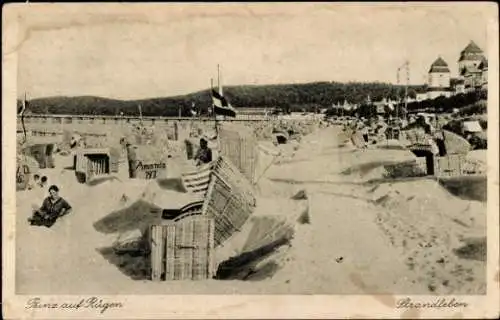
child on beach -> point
(43, 182)
(35, 182)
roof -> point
(471, 57)
(439, 65)
(469, 71)
(472, 47)
(484, 64)
(471, 53)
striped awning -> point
(197, 181)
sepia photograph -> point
(250, 149)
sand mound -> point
(365, 168)
(259, 249)
(257, 253)
(428, 225)
(301, 195)
(254, 253)
(140, 211)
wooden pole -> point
(406, 88)
(22, 118)
(213, 107)
(140, 114)
(219, 84)
(218, 80)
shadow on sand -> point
(474, 249)
(389, 147)
(139, 215)
(137, 267)
(293, 181)
(365, 168)
(347, 196)
(261, 253)
(383, 180)
(466, 187)
(98, 181)
(244, 266)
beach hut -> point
(183, 250)
(281, 137)
(455, 144)
(91, 163)
(26, 166)
(146, 162)
(42, 153)
(239, 145)
(229, 199)
(358, 140)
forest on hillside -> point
(291, 97)
(465, 104)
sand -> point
(366, 233)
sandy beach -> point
(413, 236)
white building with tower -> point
(438, 83)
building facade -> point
(438, 83)
(473, 67)
(483, 66)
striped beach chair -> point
(197, 181)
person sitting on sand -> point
(204, 153)
(52, 208)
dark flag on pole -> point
(221, 106)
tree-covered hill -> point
(291, 96)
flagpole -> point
(218, 80)
(219, 84)
(140, 114)
(213, 106)
(22, 118)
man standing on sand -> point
(53, 207)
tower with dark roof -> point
(471, 64)
(439, 79)
(470, 58)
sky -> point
(134, 52)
